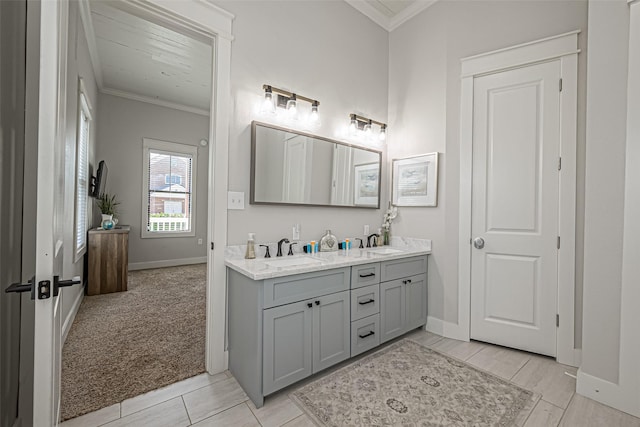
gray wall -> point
(605, 186)
(424, 111)
(122, 124)
(321, 49)
(78, 65)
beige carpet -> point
(128, 343)
(406, 384)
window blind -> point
(82, 177)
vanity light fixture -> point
(360, 123)
(288, 101)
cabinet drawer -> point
(365, 302)
(288, 289)
(365, 334)
(365, 275)
(404, 267)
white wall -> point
(424, 111)
(605, 186)
(122, 124)
(79, 65)
(321, 49)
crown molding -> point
(383, 20)
(371, 12)
(154, 101)
(408, 13)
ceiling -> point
(142, 60)
(390, 14)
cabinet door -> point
(392, 310)
(331, 330)
(416, 291)
(287, 345)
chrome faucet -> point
(285, 240)
(375, 240)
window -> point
(173, 179)
(82, 172)
(169, 189)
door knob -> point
(478, 243)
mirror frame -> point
(252, 200)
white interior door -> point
(516, 138)
(296, 183)
(50, 209)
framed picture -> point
(415, 181)
(366, 184)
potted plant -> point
(107, 204)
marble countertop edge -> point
(257, 269)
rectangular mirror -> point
(295, 168)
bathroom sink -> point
(292, 262)
(384, 251)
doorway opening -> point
(150, 79)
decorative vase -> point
(386, 236)
(107, 222)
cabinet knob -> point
(309, 305)
(317, 302)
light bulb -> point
(268, 107)
(367, 130)
(353, 126)
(314, 117)
(292, 107)
(383, 133)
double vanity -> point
(293, 316)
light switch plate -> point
(235, 200)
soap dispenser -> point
(251, 247)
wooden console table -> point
(108, 260)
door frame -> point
(563, 47)
(214, 23)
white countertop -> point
(266, 268)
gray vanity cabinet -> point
(303, 338)
(284, 329)
(331, 332)
(416, 301)
(392, 310)
(403, 296)
(288, 333)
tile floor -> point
(218, 400)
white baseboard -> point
(606, 392)
(435, 325)
(66, 326)
(445, 329)
(166, 263)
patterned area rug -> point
(406, 384)
(128, 343)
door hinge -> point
(212, 245)
(558, 242)
(560, 85)
(557, 320)
(559, 163)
